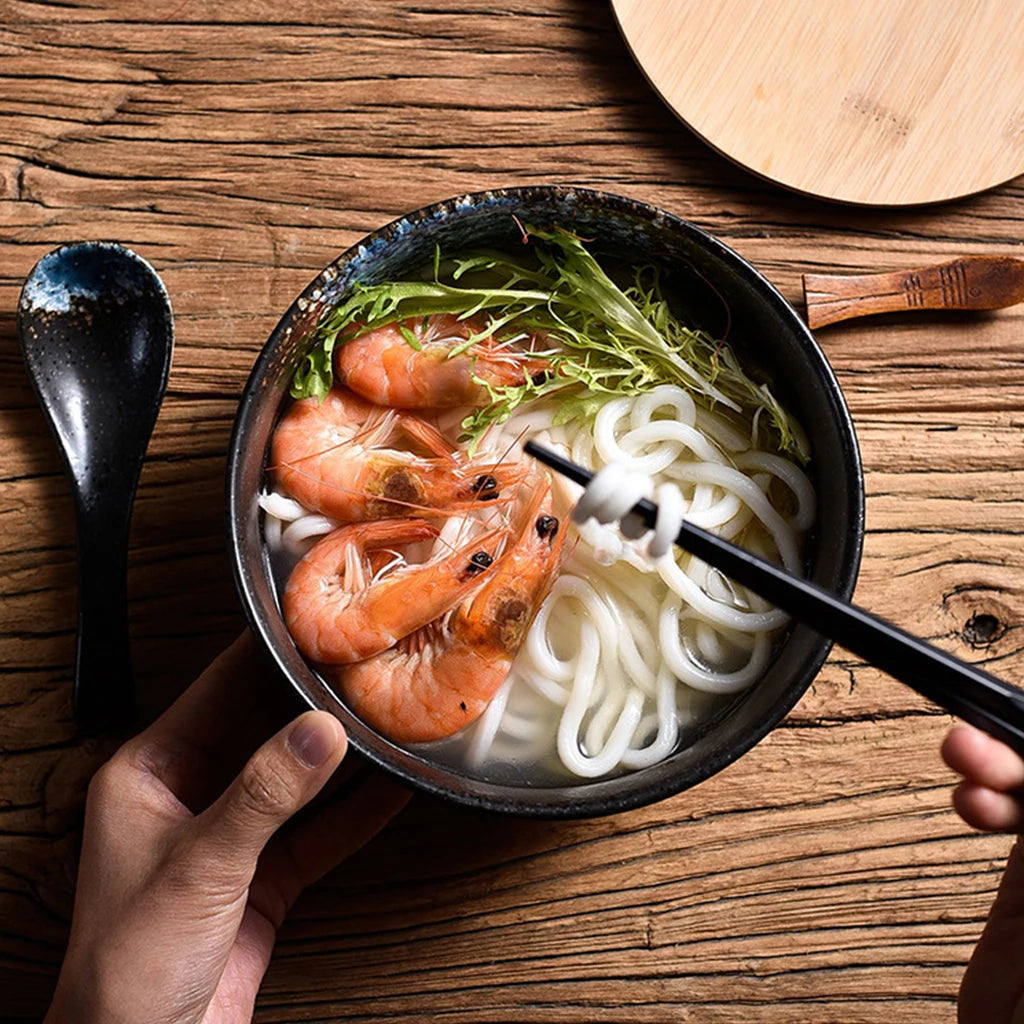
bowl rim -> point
(593, 799)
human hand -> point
(185, 876)
(991, 795)
(991, 798)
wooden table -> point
(239, 147)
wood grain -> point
(879, 102)
(240, 147)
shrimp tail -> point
(427, 435)
(495, 367)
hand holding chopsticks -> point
(975, 696)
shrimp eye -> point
(486, 487)
(547, 527)
(480, 561)
(539, 377)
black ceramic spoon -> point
(968, 691)
(96, 334)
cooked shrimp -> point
(335, 457)
(441, 678)
(384, 367)
(341, 605)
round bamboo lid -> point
(881, 102)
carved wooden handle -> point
(971, 282)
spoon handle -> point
(970, 282)
(103, 696)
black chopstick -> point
(968, 692)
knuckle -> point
(110, 777)
(137, 773)
(265, 789)
(141, 758)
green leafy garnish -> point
(315, 373)
(601, 339)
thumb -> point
(276, 782)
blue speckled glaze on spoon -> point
(96, 334)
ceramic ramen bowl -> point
(766, 334)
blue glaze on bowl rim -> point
(634, 231)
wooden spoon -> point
(970, 282)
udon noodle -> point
(628, 651)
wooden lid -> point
(881, 102)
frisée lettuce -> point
(600, 338)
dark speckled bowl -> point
(766, 333)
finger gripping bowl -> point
(718, 291)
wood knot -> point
(985, 617)
(982, 629)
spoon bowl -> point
(96, 334)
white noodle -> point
(722, 431)
(288, 526)
(667, 718)
(295, 535)
(570, 750)
(279, 506)
(794, 478)
(484, 733)
(272, 533)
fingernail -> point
(313, 739)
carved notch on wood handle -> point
(970, 282)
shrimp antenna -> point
(514, 443)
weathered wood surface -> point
(239, 147)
